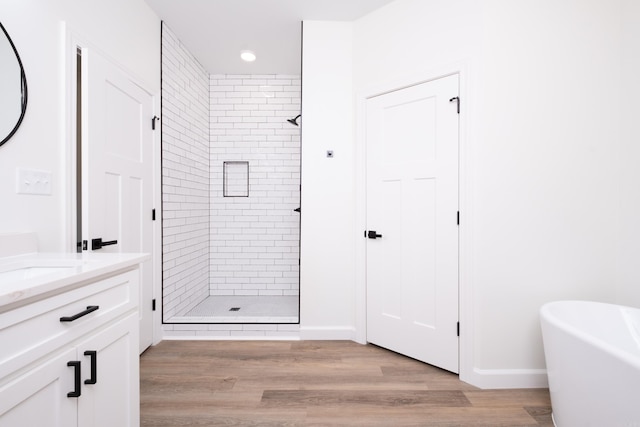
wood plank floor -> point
(317, 383)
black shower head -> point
(294, 121)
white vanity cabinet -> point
(66, 363)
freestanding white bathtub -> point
(593, 363)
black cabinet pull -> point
(76, 366)
(94, 366)
(90, 309)
(98, 243)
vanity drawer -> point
(34, 330)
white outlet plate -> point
(30, 181)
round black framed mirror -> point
(13, 88)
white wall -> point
(10, 88)
(628, 289)
(545, 194)
(327, 237)
(127, 31)
(540, 170)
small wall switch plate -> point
(30, 181)
(330, 154)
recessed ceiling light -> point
(248, 56)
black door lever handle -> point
(372, 234)
(98, 243)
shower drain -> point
(234, 309)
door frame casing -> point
(465, 302)
(71, 42)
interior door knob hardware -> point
(98, 243)
(372, 234)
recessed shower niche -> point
(231, 193)
(235, 179)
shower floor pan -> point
(243, 309)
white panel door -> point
(412, 202)
(117, 169)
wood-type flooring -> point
(317, 383)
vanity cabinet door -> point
(110, 394)
(38, 397)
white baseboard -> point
(305, 333)
(506, 378)
(327, 333)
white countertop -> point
(29, 276)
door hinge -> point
(153, 122)
(457, 99)
(458, 218)
(153, 304)
(153, 214)
(458, 329)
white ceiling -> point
(215, 31)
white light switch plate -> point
(30, 181)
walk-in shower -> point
(231, 193)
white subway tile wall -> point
(254, 241)
(185, 178)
